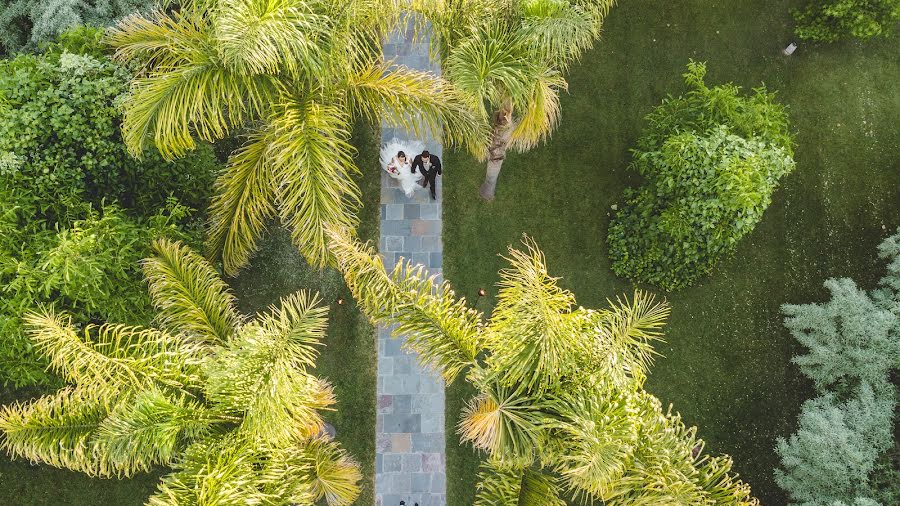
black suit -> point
(430, 175)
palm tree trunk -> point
(501, 135)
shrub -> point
(59, 115)
(834, 450)
(25, 24)
(850, 336)
(711, 160)
(831, 20)
(76, 212)
(89, 267)
(854, 342)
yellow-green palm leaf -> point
(188, 293)
(242, 204)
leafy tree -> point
(835, 457)
(295, 73)
(508, 57)
(834, 450)
(711, 160)
(226, 401)
(850, 336)
(831, 20)
(25, 24)
(560, 403)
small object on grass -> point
(481, 292)
(790, 49)
(340, 300)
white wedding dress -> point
(408, 180)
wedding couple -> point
(422, 169)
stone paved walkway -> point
(409, 463)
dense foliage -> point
(26, 24)
(295, 74)
(59, 113)
(76, 212)
(223, 399)
(830, 20)
(854, 343)
(560, 406)
(711, 160)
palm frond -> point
(184, 88)
(58, 430)
(624, 336)
(667, 466)
(492, 65)
(189, 294)
(115, 355)
(532, 335)
(242, 204)
(300, 322)
(310, 471)
(335, 476)
(503, 486)
(597, 434)
(438, 326)
(261, 374)
(504, 422)
(157, 38)
(200, 97)
(313, 162)
(448, 23)
(558, 31)
(270, 36)
(150, 429)
(387, 93)
(215, 472)
(538, 117)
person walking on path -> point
(429, 166)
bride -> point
(396, 160)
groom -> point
(429, 166)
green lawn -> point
(726, 358)
(348, 360)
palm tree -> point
(292, 75)
(225, 401)
(561, 406)
(508, 58)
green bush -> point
(59, 114)
(89, 268)
(850, 336)
(77, 213)
(26, 24)
(839, 453)
(711, 160)
(831, 20)
(834, 450)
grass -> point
(347, 360)
(726, 360)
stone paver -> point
(409, 462)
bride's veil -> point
(411, 147)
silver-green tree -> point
(508, 58)
(226, 401)
(293, 75)
(25, 24)
(853, 343)
(561, 404)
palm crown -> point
(293, 75)
(507, 57)
(226, 401)
(560, 404)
